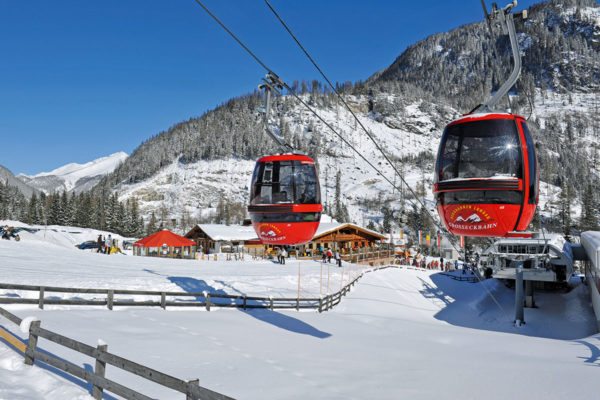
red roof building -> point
(165, 244)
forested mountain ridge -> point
(199, 169)
(442, 76)
(560, 42)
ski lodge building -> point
(215, 238)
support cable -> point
(292, 92)
(341, 98)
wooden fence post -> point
(245, 300)
(99, 370)
(31, 344)
(41, 301)
(207, 297)
(271, 301)
(321, 304)
(163, 300)
(193, 383)
(110, 299)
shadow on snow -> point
(275, 318)
(558, 315)
(286, 322)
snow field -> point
(54, 262)
(400, 333)
(21, 382)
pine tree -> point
(151, 228)
(387, 219)
(32, 216)
(590, 210)
(55, 213)
(565, 209)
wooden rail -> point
(103, 357)
(199, 299)
(97, 379)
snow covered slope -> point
(75, 177)
(197, 187)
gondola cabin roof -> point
(484, 117)
(286, 157)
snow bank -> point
(26, 323)
(21, 382)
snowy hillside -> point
(75, 177)
(410, 136)
(196, 188)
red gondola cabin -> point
(486, 178)
(285, 199)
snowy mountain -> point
(198, 165)
(74, 177)
(7, 178)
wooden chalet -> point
(342, 236)
(216, 238)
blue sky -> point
(81, 79)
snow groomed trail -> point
(400, 333)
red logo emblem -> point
(270, 233)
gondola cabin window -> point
(281, 182)
(481, 149)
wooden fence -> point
(102, 357)
(165, 299)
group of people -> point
(281, 255)
(9, 232)
(107, 245)
(328, 254)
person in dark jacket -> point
(100, 243)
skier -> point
(279, 255)
(324, 254)
(329, 255)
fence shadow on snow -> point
(287, 323)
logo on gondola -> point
(270, 233)
(471, 218)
